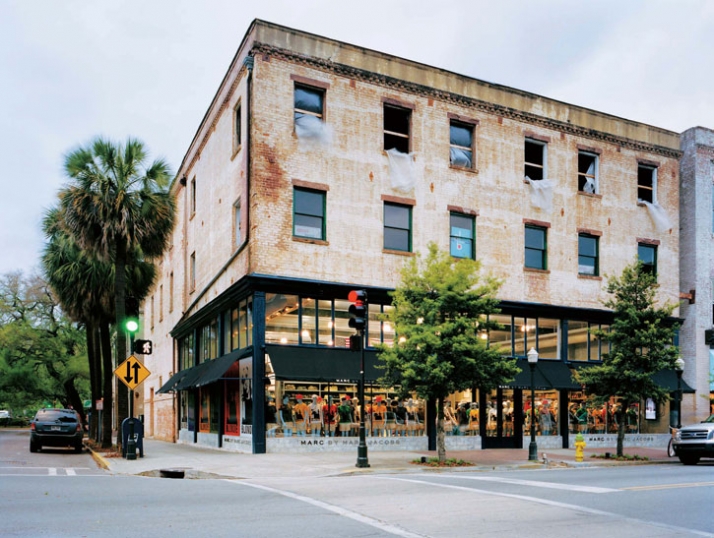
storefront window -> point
(191, 411)
(184, 410)
(308, 318)
(589, 416)
(374, 326)
(342, 328)
(387, 327)
(545, 412)
(525, 331)
(281, 318)
(578, 339)
(186, 352)
(325, 323)
(312, 409)
(548, 338)
(501, 338)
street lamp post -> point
(679, 368)
(532, 447)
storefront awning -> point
(204, 373)
(667, 379)
(548, 375)
(321, 364)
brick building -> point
(321, 167)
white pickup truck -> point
(695, 441)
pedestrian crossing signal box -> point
(143, 347)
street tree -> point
(641, 341)
(440, 313)
(42, 353)
(116, 203)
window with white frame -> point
(536, 153)
(647, 183)
(461, 140)
(588, 172)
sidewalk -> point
(195, 462)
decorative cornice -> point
(461, 100)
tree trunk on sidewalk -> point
(440, 440)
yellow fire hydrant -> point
(579, 447)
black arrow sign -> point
(128, 377)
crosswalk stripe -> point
(539, 484)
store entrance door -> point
(501, 418)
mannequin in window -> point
(379, 413)
(271, 425)
(508, 418)
(329, 417)
(302, 414)
(545, 418)
(449, 419)
(285, 415)
(462, 416)
(345, 412)
(315, 410)
(402, 419)
(473, 418)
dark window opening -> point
(396, 128)
(647, 254)
(535, 159)
(587, 172)
(646, 176)
(461, 144)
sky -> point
(71, 70)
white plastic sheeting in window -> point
(312, 132)
(541, 193)
(403, 171)
(658, 215)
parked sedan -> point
(56, 428)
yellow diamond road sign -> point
(131, 372)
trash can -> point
(126, 427)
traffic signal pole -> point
(131, 442)
(358, 321)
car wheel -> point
(34, 447)
(689, 460)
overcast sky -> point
(74, 69)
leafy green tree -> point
(115, 204)
(441, 309)
(641, 344)
(42, 353)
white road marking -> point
(70, 472)
(554, 504)
(391, 529)
(52, 471)
(538, 484)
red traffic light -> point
(357, 296)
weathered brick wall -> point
(697, 262)
(356, 170)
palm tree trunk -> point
(440, 438)
(119, 298)
(108, 379)
(94, 386)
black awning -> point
(204, 373)
(667, 379)
(321, 364)
(216, 368)
(548, 375)
(172, 382)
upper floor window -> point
(396, 128)
(588, 172)
(647, 183)
(171, 291)
(397, 227)
(536, 247)
(588, 255)
(309, 213)
(535, 159)
(462, 235)
(647, 254)
(193, 196)
(237, 226)
(237, 128)
(461, 136)
(308, 102)
(192, 272)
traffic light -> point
(131, 308)
(143, 347)
(358, 309)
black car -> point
(56, 427)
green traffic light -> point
(132, 325)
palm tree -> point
(84, 286)
(114, 205)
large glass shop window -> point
(281, 318)
(313, 409)
(501, 338)
(544, 412)
(461, 413)
(588, 416)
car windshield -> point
(55, 416)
